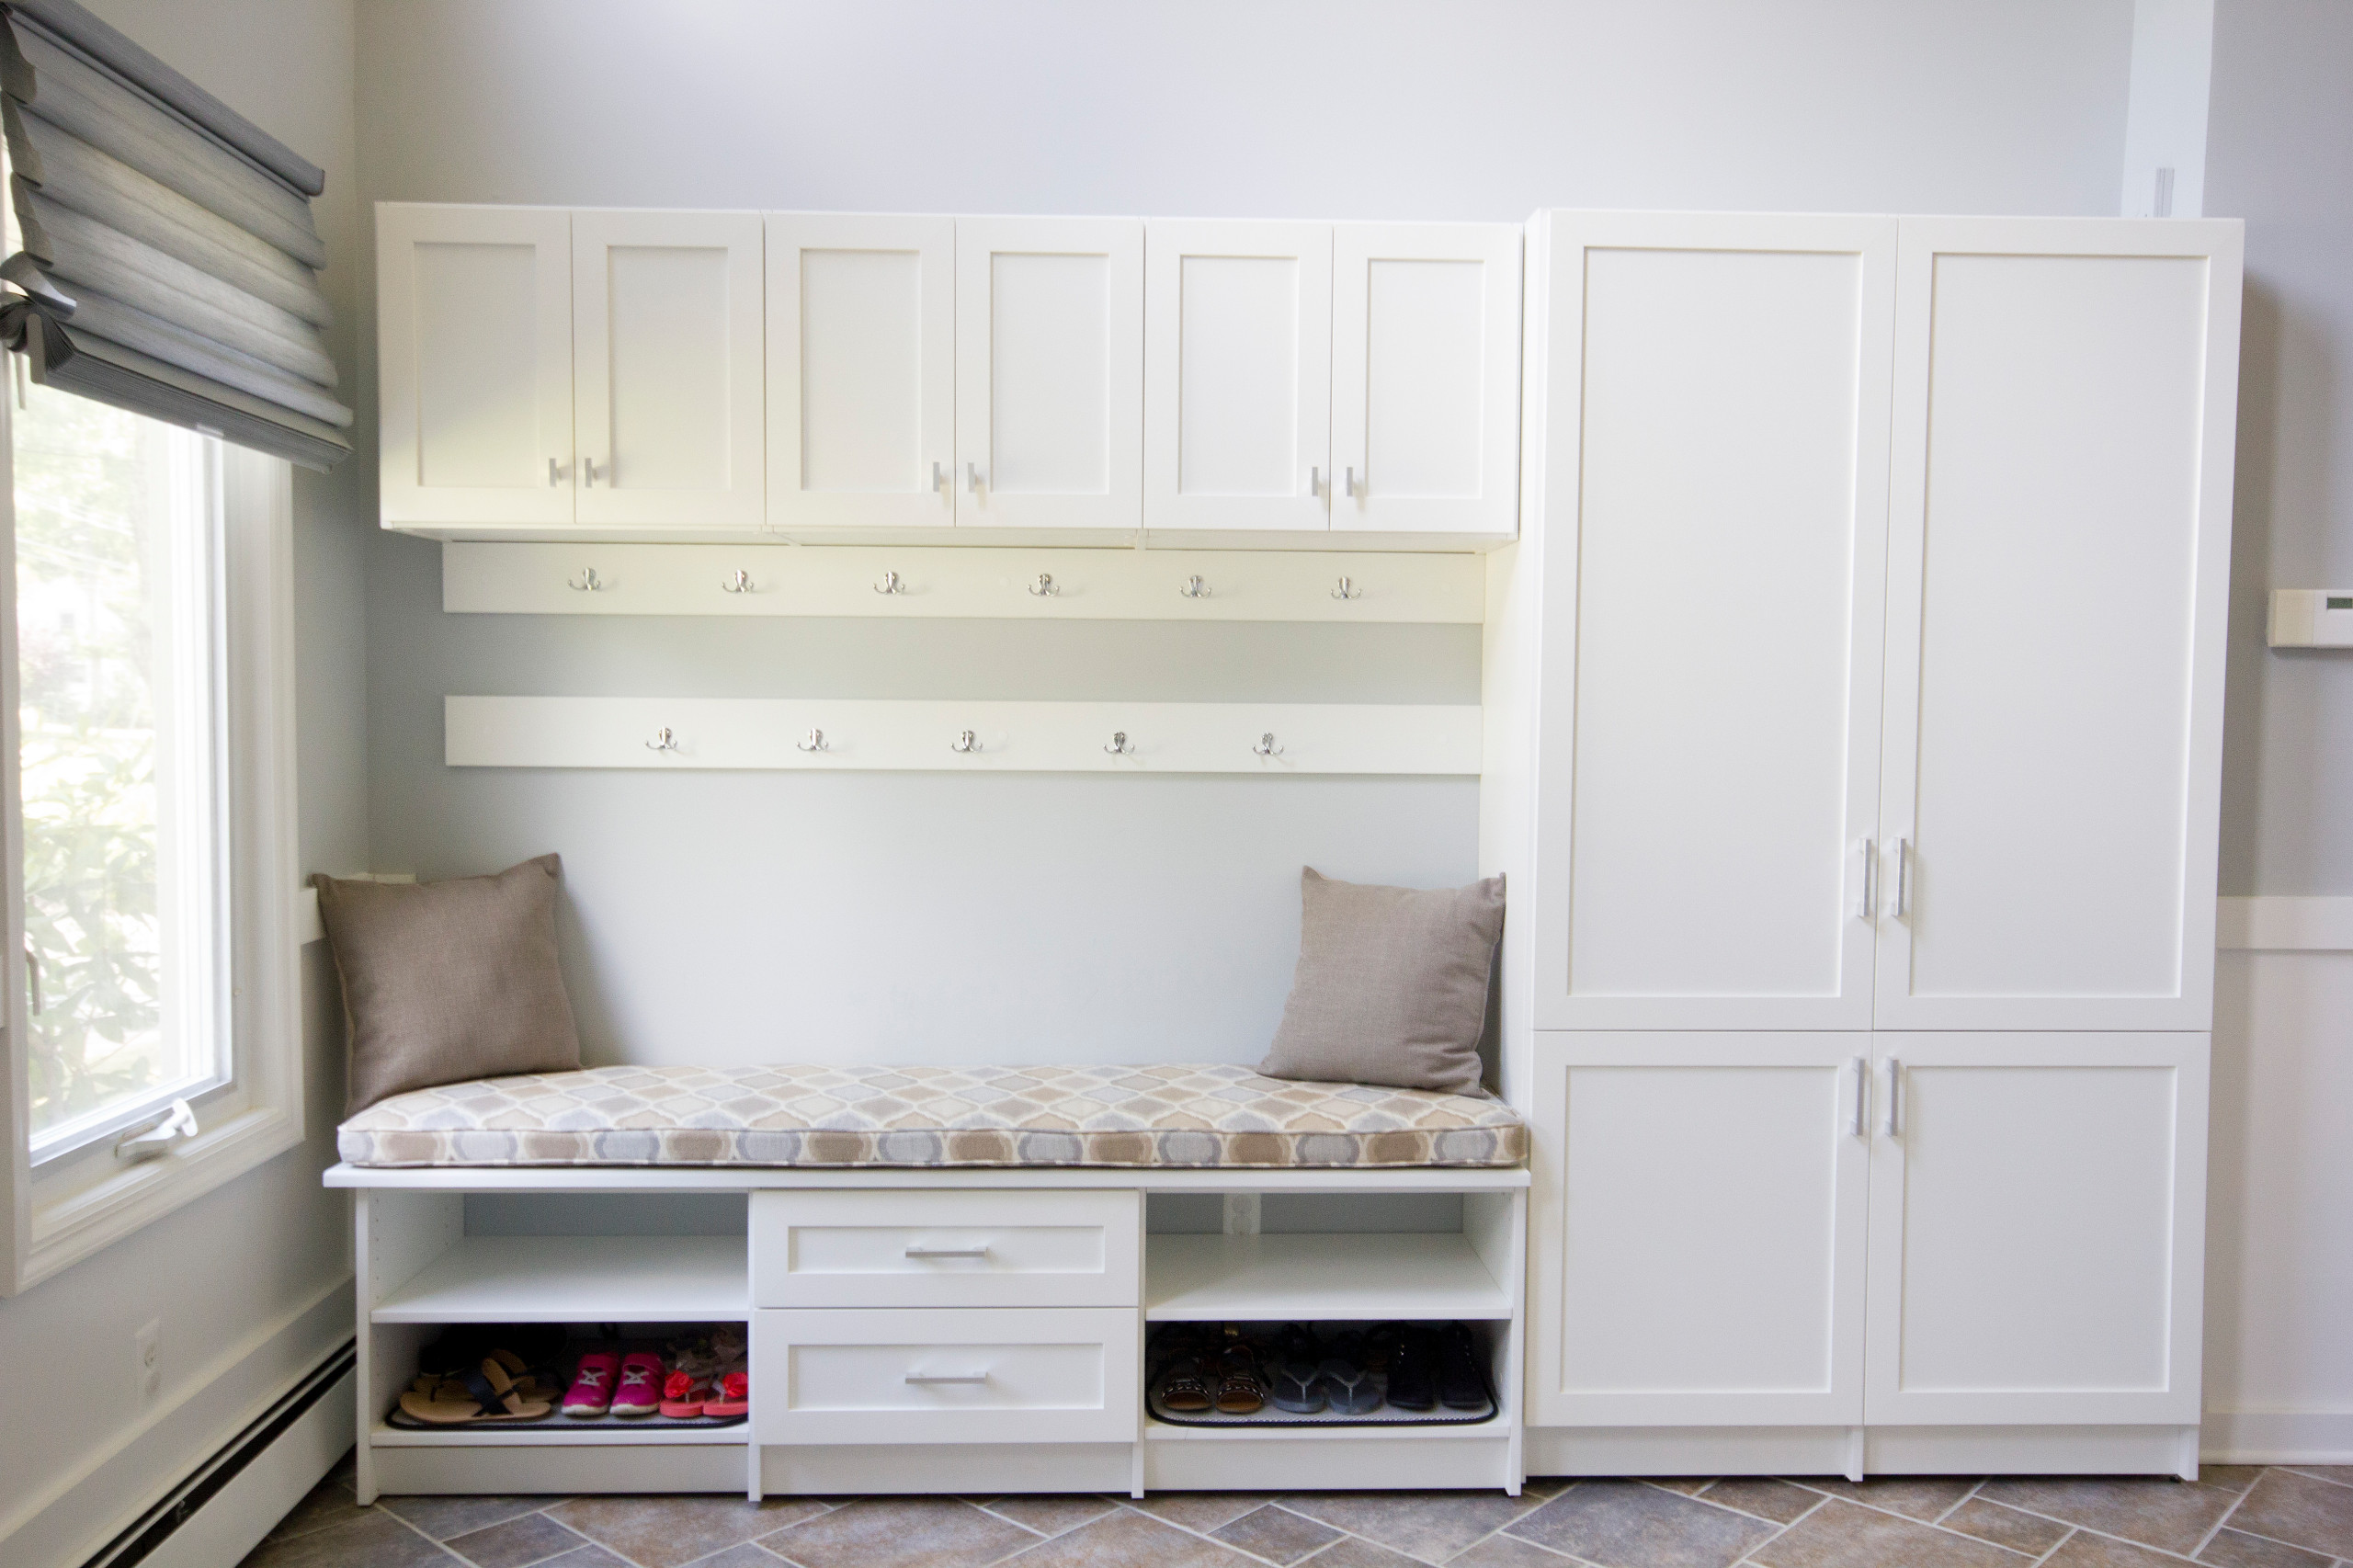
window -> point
(120, 751)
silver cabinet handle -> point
(948, 1378)
(948, 1252)
(1866, 890)
(1903, 879)
(939, 480)
(972, 478)
(1894, 1104)
(1353, 489)
(589, 472)
(1315, 482)
(1863, 1098)
(556, 471)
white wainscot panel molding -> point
(951, 736)
(946, 581)
(2284, 925)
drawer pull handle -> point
(947, 1377)
(948, 1252)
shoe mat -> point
(1268, 1415)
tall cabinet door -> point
(474, 343)
(666, 331)
(1426, 378)
(1238, 375)
(861, 370)
(1720, 388)
(2038, 1220)
(1698, 1228)
(2058, 559)
(1050, 372)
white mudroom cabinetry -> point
(1854, 702)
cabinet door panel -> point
(2038, 1216)
(862, 351)
(1238, 399)
(1050, 372)
(1698, 1230)
(669, 385)
(1713, 696)
(2058, 562)
(1426, 378)
(474, 324)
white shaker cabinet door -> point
(668, 389)
(2038, 1222)
(1426, 378)
(474, 350)
(2059, 551)
(1238, 376)
(1049, 373)
(1718, 391)
(1697, 1230)
(862, 358)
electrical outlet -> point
(147, 1361)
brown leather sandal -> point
(1184, 1392)
(1240, 1389)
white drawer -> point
(945, 1375)
(945, 1249)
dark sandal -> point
(1298, 1388)
(1239, 1389)
(1184, 1392)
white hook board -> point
(1009, 737)
(972, 581)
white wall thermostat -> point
(2312, 617)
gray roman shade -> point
(169, 262)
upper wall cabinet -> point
(474, 324)
(1238, 376)
(668, 387)
(1426, 378)
(861, 314)
(1049, 373)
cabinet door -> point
(666, 327)
(1426, 378)
(2038, 1216)
(1238, 367)
(2058, 554)
(1050, 372)
(861, 358)
(1718, 387)
(474, 358)
(1696, 1226)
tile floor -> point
(2230, 1518)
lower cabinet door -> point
(945, 1375)
(1698, 1228)
(2037, 1218)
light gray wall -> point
(250, 1282)
(758, 918)
(2280, 153)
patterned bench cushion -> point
(845, 1118)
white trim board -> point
(936, 582)
(1008, 737)
(2284, 925)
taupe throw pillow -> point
(1392, 985)
(443, 981)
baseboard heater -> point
(147, 1538)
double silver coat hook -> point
(587, 581)
(1266, 747)
(1348, 590)
(816, 741)
(891, 583)
(1119, 747)
(662, 739)
(740, 583)
(1195, 588)
(965, 742)
(1044, 586)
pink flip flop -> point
(640, 1390)
(732, 1397)
(591, 1394)
(683, 1394)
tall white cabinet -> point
(1854, 743)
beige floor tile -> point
(1051, 1515)
(1686, 1484)
(1202, 1511)
(2231, 1549)
(442, 1518)
(2340, 1473)
(1546, 1485)
(1276, 1534)
(1767, 1498)
(1841, 1535)
(588, 1554)
(372, 1540)
(2150, 1509)
(516, 1543)
(751, 1554)
(2085, 1550)
(899, 1532)
(2229, 1477)
(1923, 1497)
(1506, 1552)
(2301, 1510)
(1130, 1539)
(329, 1502)
(1349, 1552)
(2029, 1533)
(1624, 1524)
(1432, 1525)
(669, 1532)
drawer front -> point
(945, 1249)
(945, 1375)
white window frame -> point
(79, 1203)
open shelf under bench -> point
(576, 1280)
(1372, 1276)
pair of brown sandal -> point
(1239, 1388)
(500, 1389)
